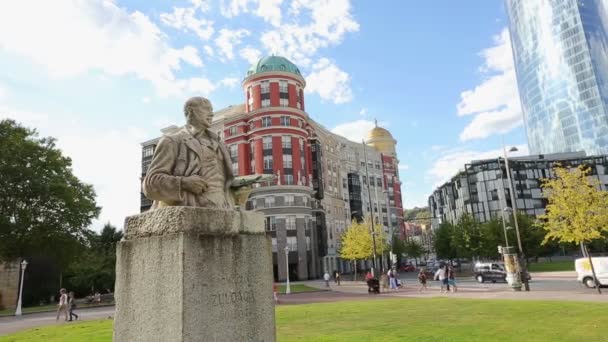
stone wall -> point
(9, 284)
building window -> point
(235, 168)
(148, 151)
(308, 243)
(269, 202)
(379, 181)
(265, 103)
(377, 165)
(288, 179)
(232, 131)
(290, 222)
(287, 161)
(371, 181)
(234, 151)
(289, 199)
(268, 163)
(266, 121)
(271, 224)
(284, 102)
(282, 86)
(286, 141)
(285, 121)
(292, 243)
(267, 143)
(265, 87)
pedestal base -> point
(194, 274)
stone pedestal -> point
(194, 274)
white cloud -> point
(250, 54)
(232, 8)
(403, 167)
(495, 102)
(327, 23)
(363, 112)
(229, 82)
(71, 38)
(185, 19)
(448, 165)
(145, 100)
(209, 50)
(269, 10)
(227, 39)
(197, 86)
(329, 81)
(355, 130)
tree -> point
(466, 237)
(414, 249)
(355, 243)
(492, 233)
(577, 210)
(42, 204)
(95, 269)
(442, 243)
(424, 217)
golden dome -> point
(378, 132)
(382, 140)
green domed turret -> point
(273, 63)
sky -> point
(104, 76)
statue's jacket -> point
(179, 155)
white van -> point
(584, 274)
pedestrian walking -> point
(62, 307)
(72, 305)
(392, 279)
(275, 292)
(452, 279)
(442, 276)
(326, 278)
(338, 275)
(422, 280)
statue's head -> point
(199, 112)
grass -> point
(295, 288)
(553, 266)
(423, 319)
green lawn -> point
(295, 288)
(428, 319)
(554, 266)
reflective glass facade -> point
(560, 50)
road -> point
(544, 286)
(12, 324)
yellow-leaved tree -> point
(355, 243)
(577, 210)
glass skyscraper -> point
(560, 50)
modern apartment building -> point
(482, 189)
(322, 178)
(560, 50)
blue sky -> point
(104, 76)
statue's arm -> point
(159, 184)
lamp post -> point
(524, 276)
(288, 287)
(23, 266)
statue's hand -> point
(194, 184)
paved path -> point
(12, 324)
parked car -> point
(584, 274)
(407, 268)
(489, 271)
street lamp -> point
(514, 204)
(23, 266)
(288, 287)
